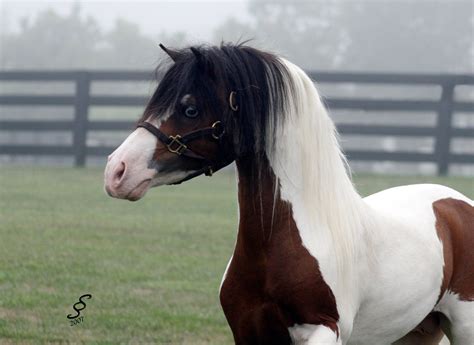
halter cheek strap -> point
(178, 144)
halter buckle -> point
(175, 140)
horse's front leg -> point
(314, 335)
(262, 324)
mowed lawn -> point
(153, 267)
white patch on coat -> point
(404, 284)
(307, 334)
(135, 152)
(225, 273)
(381, 255)
(444, 341)
(238, 217)
(326, 208)
(461, 315)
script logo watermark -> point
(78, 307)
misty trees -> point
(302, 30)
(407, 35)
(54, 41)
(418, 36)
(411, 35)
(51, 41)
(124, 46)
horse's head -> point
(197, 120)
(182, 133)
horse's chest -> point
(262, 298)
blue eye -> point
(191, 112)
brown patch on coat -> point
(272, 282)
(455, 227)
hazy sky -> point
(196, 17)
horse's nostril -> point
(120, 172)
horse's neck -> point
(312, 177)
(262, 213)
(307, 170)
(303, 194)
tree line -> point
(410, 35)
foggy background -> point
(350, 35)
(421, 36)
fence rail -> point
(82, 100)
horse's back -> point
(441, 212)
(415, 207)
(416, 193)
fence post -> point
(81, 109)
(443, 128)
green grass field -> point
(153, 267)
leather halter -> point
(178, 144)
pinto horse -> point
(314, 263)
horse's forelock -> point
(260, 80)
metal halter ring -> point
(232, 104)
(215, 126)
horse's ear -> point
(171, 53)
(197, 54)
(204, 64)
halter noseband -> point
(177, 144)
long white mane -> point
(313, 177)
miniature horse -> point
(314, 263)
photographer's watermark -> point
(78, 307)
